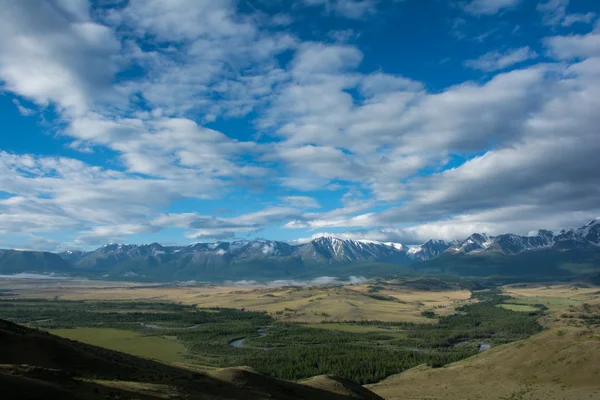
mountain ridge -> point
(348, 249)
(322, 256)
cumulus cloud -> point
(53, 53)
(575, 46)
(139, 86)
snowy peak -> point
(591, 232)
(428, 250)
(331, 249)
(515, 244)
(507, 243)
(586, 236)
(474, 243)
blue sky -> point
(197, 120)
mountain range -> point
(323, 256)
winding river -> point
(239, 343)
(151, 326)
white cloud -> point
(51, 52)
(49, 194)
(397, 129)
(495, 60)
(319, 58)
(518, 220)
(225, 64)
(571, 19)
(574, 46)
(528, 135)
(301, 201)
(343, 35)
(554, 12)
(489, 7)
(24, 111)
(353, 9)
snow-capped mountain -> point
(591, 232)
(287, 260)
(428, 250)
(323, 256)
(587, 235)
(330, 249)
(475, 243)
(584, 237)
(515, 244)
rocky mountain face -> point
(474, 243)
(334, 250)
(324, 250)
(507, 243)
(429, 250)
(587, 236)
(330, 250)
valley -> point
(367, 333)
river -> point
(239, 343)
(151, 326)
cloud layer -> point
(143, 96)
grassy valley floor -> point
(397, 335)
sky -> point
(182, 121)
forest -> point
(363, 351)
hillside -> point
(555, 364)
(37, 365)
(542, 264)
(559, 363)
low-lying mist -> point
(320, 281)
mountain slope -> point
(550, 365)
(15, 261)
(474, 243)
(585, 237)
(429, 250)
(542, 264)
(257, 259)
(37, 365)
(515, 244)
(334, 250)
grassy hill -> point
(38, 365)
(559, 363)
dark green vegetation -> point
(527, 266)
(293, 351)
(37, 365)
